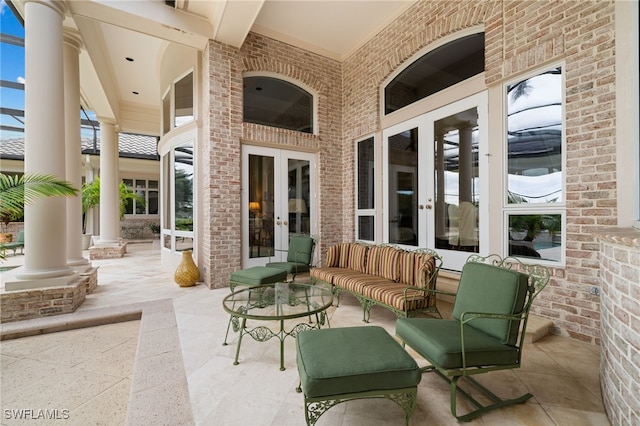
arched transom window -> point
(440, 68)
(278, 103)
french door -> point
(435, 180)
(278, 201)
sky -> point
(11, 67)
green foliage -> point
(18, 191)
(91, 197)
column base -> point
(19, 279)
(107, 251)
(39, 302)
(90, 279)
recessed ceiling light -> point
(129, 59)
(135, 93)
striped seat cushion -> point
(393, 294)
(357, 283)
(327, 274)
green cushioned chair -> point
(15, 245)
(299, 256)
(343, 364)
(487, 330)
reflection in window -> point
(365, 189)
(261, 206)
(456, 174)
(365, 174)
(537, 236)
(184, 100)
(534, 131)
(535, 178)
(440, 68)
(148, 191)
(277, 103)
(166, 114)
(183, 177)
(403, 188)
(366, 228)
(166, 185)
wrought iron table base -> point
(263, 334)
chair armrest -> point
(273, 251)
(484, 315)
(427, 290)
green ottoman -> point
(256, 275)
(343, 364)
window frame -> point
(547, 208)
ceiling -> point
(129, 91)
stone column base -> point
(90, 279)
(42, 302)
(107, 251)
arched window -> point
(278, 103)
(442, 67)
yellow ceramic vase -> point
(187, 273)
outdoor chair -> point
(487, 331)
(15, 245)
(299, 256)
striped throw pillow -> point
(383, 261)
(333, 256)
(343, 261)
(425, 266)
(407, 262)
(358, 257)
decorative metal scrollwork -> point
(261, 334)
(299, 328)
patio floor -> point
(87, 374)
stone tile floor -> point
(88, 371)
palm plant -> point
(91, 198)
(18, 191)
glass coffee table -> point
(283, 302)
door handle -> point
(421, 207)
(278, 223)
(285, 223)
(429, 206)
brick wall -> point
(225, 131)
(520, 37)
(619, 366)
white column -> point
(109, 183)
(71, 49)
(45, 262)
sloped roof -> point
(129, 145)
